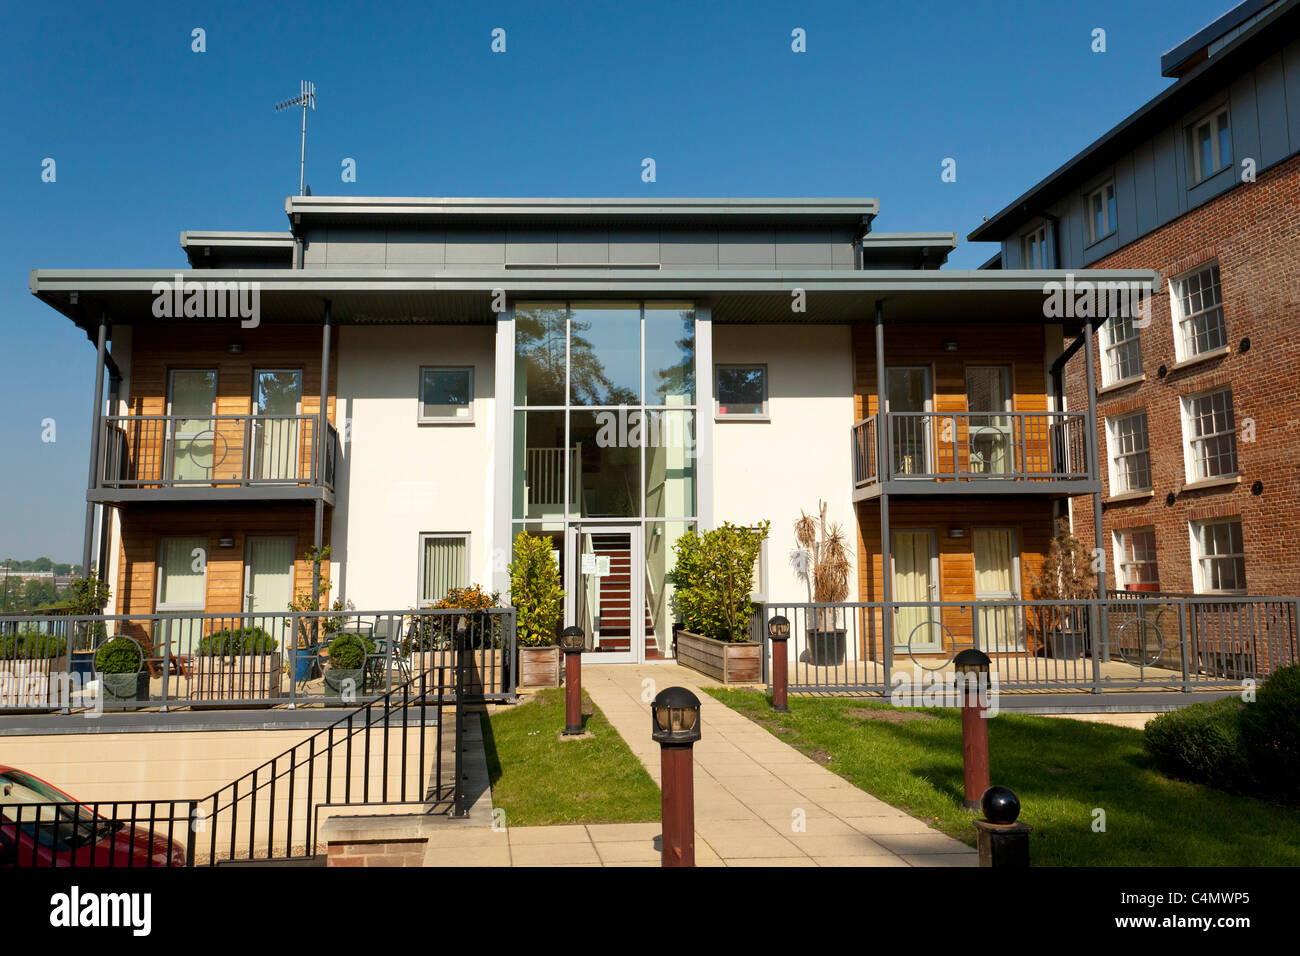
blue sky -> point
(151, 138)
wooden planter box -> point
(236, 678)
(732, 662)
(539, 666)
(27, 683)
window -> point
(444, 564)
(1209, 435)
(182, 574)
(1130, 454)
(1135, 559)
(742, 391)
(1033, 249)
(1198, 313)
(758, 586)
(446, 394)
(1121, 350)
(1218, 556)
(1209, 145)
(1101, 212)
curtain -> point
(912, 583)
(181, 573)
(995, 578)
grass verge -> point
(539, 780)
(1064, 771)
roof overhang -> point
(468, 297)
(482, 212)
(202, 247)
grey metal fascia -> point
(238, 240)
(910, 240)
(469, 206)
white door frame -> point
(573, 580)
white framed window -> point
(444, 564)
(1034, 249)
(182, 573)
(1121, 350)
(1209, 435)
(740, 391)
(1218, 556)
(1136, 568)
(1130, 453)
(446, 394)
(1198, 313)
(1101, 211)
(758, 587)
(1209, 145)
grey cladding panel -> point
(528, 245)
(1291, 69)
(634, 246)
(584, 246)
(685, 249)
(356, 247)
(741, 249)
(1169, 186)
(415, 247)
(1270, 93)
(1126, 200)
(806, 248)
(1244, 120)
(476, 247)
(1144, 188)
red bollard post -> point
(675, 726)
(972, 667)
(778, 630)
(572, 641)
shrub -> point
(119, 655)
(1202, 743)
(348, 651)
(713, 577)
(38, 647)
(535, 590)
(1270, 729)
(483, 630)
(237, 641)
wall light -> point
(950, 345)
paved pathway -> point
(758, 801)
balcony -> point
(972, 453)
(217, 458)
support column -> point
(322, 439)
(105, 512)
(503, 464)
(883, 465)
(96, 429)
(1099, 620)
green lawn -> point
(1062, 771)
(538, 780)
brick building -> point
(1199, 404)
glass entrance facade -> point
(604, 433)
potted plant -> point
(86, 596)
(712, 581)
(315, 631)
(538, 599)
(434, 636)
(345, 675)
(119, 662)
(824, 565)
(1067, 577)
(237, 663)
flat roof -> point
(1278, 27)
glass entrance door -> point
(276, 404)
(191, 401)
(605, 594)
(916, 579)
(907, 399)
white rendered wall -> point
(770, 470)
(398, 478)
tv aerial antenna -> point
(306, 98)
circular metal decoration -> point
(1144, 659)
(207, 434)
(912, 654)
(1000, 805)
(1244, 346)
(998, 446)
(1257, 488)
(1162, 371)
(1170, 499)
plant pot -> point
(337, 681)
(539, 666)
(732, 662)
(125, 686)
(303, 667)
(826, 648)
(83, 663)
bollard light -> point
(572, 641)
(973, 667)
(778, 630)
(675, 726)
(1003, 842)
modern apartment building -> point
(413, 381)
(1198, 404)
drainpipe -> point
(322, 436)
(883, 462)
(105, 513)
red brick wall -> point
(1254, 233)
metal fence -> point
(169, 451)
(1127, 642)
(388, 751)
(283, 659)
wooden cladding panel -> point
(143, 527)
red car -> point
(40, 825)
